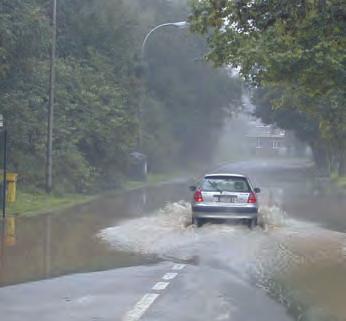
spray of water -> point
(275, 251)
(168, 233)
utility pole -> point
(4, 183)
(49, 159)
(4, 177)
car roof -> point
(224, 174)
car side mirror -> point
(193, 188)
(257, 190)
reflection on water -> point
(7, 238)
(296, 258)
(8, 233)
(298, 263)
(55, 244)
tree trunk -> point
(342, 163)
(322, 5)
(320, 156)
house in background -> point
(267, 140)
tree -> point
(195, 99)
(297, 47)
(23, 38)
(291, 118)
(98, 86)
(94, 95)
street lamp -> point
(4, 177)
(179, 24)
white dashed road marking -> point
(148, 299)
(159, 286)
(142, 305)
(178, 267)
(169, 276)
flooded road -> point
(293, 269)
(55, 244)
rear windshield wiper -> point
(214, 185)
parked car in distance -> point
(224, 197)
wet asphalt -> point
(101, 261)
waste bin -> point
(11, 184)
(138, 166)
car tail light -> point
(198, 197)
(252, 198)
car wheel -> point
(196, 221)
(252, 223)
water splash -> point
(157, 234)
(168, 233)
(263, 257)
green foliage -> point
(93, 98)
(290, 117)
(23, 37)
(99, 87)
(196, 98)
(35, 203)
(297, 48)
(287, 117)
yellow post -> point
(11, 186)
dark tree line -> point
(99, 81)
(294, 53)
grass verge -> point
(152, 179)
(341, 181)
(35, 203)
(29, 204)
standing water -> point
(297, 256)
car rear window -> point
(226, 184)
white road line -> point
(142, 305)
(169, 276)
(159, 286)
(178, 266)
(148, 299)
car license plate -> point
(226, 199)
(231, 199)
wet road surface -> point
(294, 269)
(56, 244)
(112, 295)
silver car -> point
(224, 197)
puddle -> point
(289, 259)
(299, 263)
(52, 245)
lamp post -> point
(179, 25)
(4, 177)
(49, 160)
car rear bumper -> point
(218, 212)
